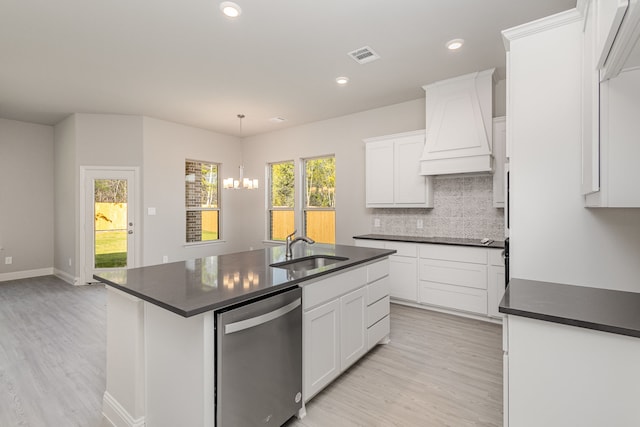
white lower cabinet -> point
(403, 267)
(342, 316)
(403, 277)
(454, 277)
(353, 334)
(560, 375)
(451, 277)
(321, 346)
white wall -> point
(341, 136)
(109, 140)
(553, 236)
(26, 197)
(166, 146)
(66, 200)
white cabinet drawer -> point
(332, 287)
(454, 253)
(454, 273)
(378, 289)
(378, 331)
(377, 311)
(403, 249)
(451, 296)
(377, 270)
(495, 257)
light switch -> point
(151, 211)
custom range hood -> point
(459, 125)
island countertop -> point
(198, 285)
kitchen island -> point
(160, 325)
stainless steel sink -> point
(309, 262)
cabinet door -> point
(353, 327)
(499, 156)
(379, 173)
(321, 352)
(409, 185)
(590, 106)
(495, 290)
(403, 274)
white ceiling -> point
(183, 61)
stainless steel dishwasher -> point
(259, 362)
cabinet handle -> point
(263, 318)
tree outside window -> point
(281, 199)
(319, 214)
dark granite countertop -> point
(499, 244)
(195, 286)
(605, 310)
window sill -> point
(206, 243)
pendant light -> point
(241, 183)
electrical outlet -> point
(376, 222)
(8, 260)
(165, 259)
(69, 262)
(419, 224)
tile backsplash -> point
(463, 208)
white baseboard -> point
(117, 415)
(447, 311)
(26, 274)
(66, 277)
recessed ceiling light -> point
(342, 80)
(230, 9)
(455, 44)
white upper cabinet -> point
(459, 126)
(610, 106)
(617, 29)
(393, 172)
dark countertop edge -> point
(496, 244)
(243, 298)
(573, 305)
(571, 322)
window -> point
(319, 213)
(202, 201)
(281, 200)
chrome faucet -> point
(291, 240)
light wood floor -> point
(52, 353)
(438, 370)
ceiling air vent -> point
(364, 55)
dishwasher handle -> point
(263, 318)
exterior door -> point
(109, 221)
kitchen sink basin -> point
(309, 262)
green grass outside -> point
(209, 235)
(111, 249)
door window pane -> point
(110, 223)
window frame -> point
(217, 209)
